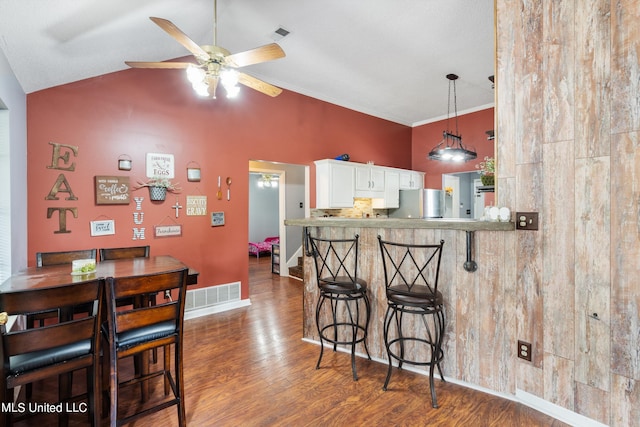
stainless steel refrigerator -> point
(423, 203)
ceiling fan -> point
(216, 64)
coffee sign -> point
(112, 190)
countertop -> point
(439, 223)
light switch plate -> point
(527, 220)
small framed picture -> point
(103, 227)
(174, 230)
(112, 190)
(217, 219)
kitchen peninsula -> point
(474, 300)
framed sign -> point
(197, 205)
(168, 230)
(112, 190)
(217, 219)
(160, 165)
(103, 227)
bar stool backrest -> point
(144, 327)
(70, 344)
(44, 259)
(123, 253)
(411, 268)
(336, 260)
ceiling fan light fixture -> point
(232, 92)
(229, 79)
(451, 148)
(195, 74)
(214, 62)
(201, 88)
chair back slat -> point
(142, 285)
(44, 259)
(50, 336)
(124, 253)
(145, 316)
(16, 303)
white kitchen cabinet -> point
(391, 194)
(335, 184)
(410, 180)
(338, 182)
(369, 181)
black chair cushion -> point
(37, 359)
(342, 284)
(147, 333)
(419, 295)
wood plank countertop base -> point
(475, 301)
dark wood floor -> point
(249, 367)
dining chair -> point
(336, 262)
(108, 254)
(57, 349)
(139, 328)
(411, 273)
(124, 253)
(44, 259)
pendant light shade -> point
(451, 148)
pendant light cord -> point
(452, 78)
(215, 22)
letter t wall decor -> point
(61, 160)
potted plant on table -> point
(487, 170)
(158, 188)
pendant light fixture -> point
(451, 149)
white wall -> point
(13, 170)
(263, 210)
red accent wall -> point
(135, 112)
(472, 127)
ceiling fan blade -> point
(141, 64)
(181, 37)
(258, 85)
(264, 53)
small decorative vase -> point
(157, 193)
(487, 179)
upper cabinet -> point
(390, 198)
(335, 184)
(369, 180)
(338, 182)
(411, 180)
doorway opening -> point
(286, 197)
(464, 200)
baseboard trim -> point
(555, 411)
(219, 308)
(527, 399)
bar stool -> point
(55, 350)
(411, 279)
(336, 262)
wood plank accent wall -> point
(568, 144)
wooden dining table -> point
(60, 275)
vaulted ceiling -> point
(385, 58)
